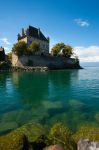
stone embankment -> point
(53, 63)
(26, 69)
(30, 69)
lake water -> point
(70, 96)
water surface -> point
(70, 96)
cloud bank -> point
(87, 54)
(5, 41)
(82, 23)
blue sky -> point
(74, 22)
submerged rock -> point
(97, 116)
(14, 141)
(32, 130)
(50, 104)
(39, 113)
(60, 117)
(5, 127)
(24, 138)
(10, 116)
(76, 104)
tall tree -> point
(57, 48)
(67, 51)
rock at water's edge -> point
(85, 144)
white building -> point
(33, 34)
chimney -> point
(22, 31)
(19, 36)
(38, 32)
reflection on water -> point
(71, 97)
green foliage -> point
(33, 134)
(34, 47)
(20, 48)
(60, 134)
(87, 132)
(67, 51)
(57, 48)
(13, 141)
(19, 139)
(9, 56)
(2, 62)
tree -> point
(20, 48)
(67, 51)
(57, 48)
(34, 47)
(9, 56)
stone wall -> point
(44, 46)
(44, 61)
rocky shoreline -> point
(37, 68)
(26, 69)
(33, 136)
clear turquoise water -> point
(71, 97)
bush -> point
(9, 56)
(20, 48)
(57, 48)
(67, 51)
(34, 47)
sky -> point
(74, 22)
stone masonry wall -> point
(43, 61)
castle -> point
(34, 34)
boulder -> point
(6, 127)
(13, 141)
(86, 144)
(54, 147)
(29, 136)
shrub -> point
(34, 47)
(67, 51)
(57, 48)
(20, 48)
(9, 56)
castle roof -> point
(36, 33)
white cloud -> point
(6, 48)
(5, 41)
(82, 23)
(87, 54)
